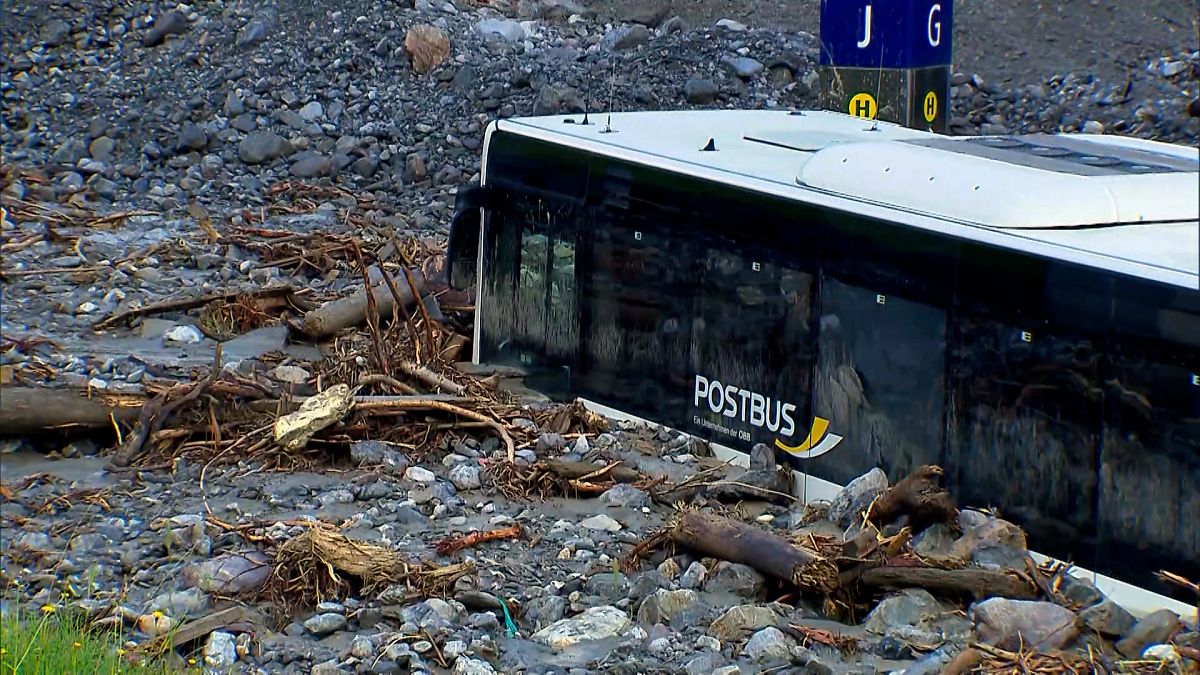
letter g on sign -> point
(934, 28)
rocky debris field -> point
(161, 106)
(208, 448)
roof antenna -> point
(878, 89)
(612, 85)
(711, 146)
(587, 95)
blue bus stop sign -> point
(886, 34)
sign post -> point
(888, 60)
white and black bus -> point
(1023, 311)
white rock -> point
(220, 651)
(293, 431)
(465, 477)
(290, 374)
(184, 334)
(602, 523)
(730, 24)
(419, 474)
(469, 666)
(597, 623)
(312, 112)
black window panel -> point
(636, 297)
(750, 347)
(1026, 402)
(880, 381)
(537, 167)
(1149, 510)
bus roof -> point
(1125, 204)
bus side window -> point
(1152, 434)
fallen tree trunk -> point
(737, 542)
(29, 409)
(974, 582)
(341, 313)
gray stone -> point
(936, 541)
(597, 623)
(911, 607)
(622, 38)
(312, 111)
(172, 23)
(190, 603)
(742, 66)
(191, 137)
(469, 666)
(263, 146)
(737, 579)
(1107, 618)
(601, 523)
(505, 29)
(324, 624)
(664, 604)
(419, 474)
(624, 495)
(768, 644)
(739, 621)
(846, 506)
(229, 574)
(465, 477)
(233, 105)
(257, 29)
(312, 167)
(220, 651)
(102, 148)
(546, 610)
(1010, 624)
(1152, 629)
(693, 577)
(700, 91)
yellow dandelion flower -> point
(3, 651)
(191, 662)
(158, 614)
(120, 652)
(48, 609)
(78, 645)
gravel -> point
(193, 113)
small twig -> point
(377, 378)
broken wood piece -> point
(975, 582)
(25, 410)
(330, 406)
(429, 377)
(918, 496)
(768, 553)
(194, 630)
(182, 304)
(457, 543)
(352, 310)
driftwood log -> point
(341, 313)
(970, 582)
(26, 410)
(737, 542)
(918, 496)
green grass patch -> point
(52, 644)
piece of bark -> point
(974, 582)
(772, 555)
(964, 662)
(26, 410)
(918, 496)
(341, 313)
(577, 470)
